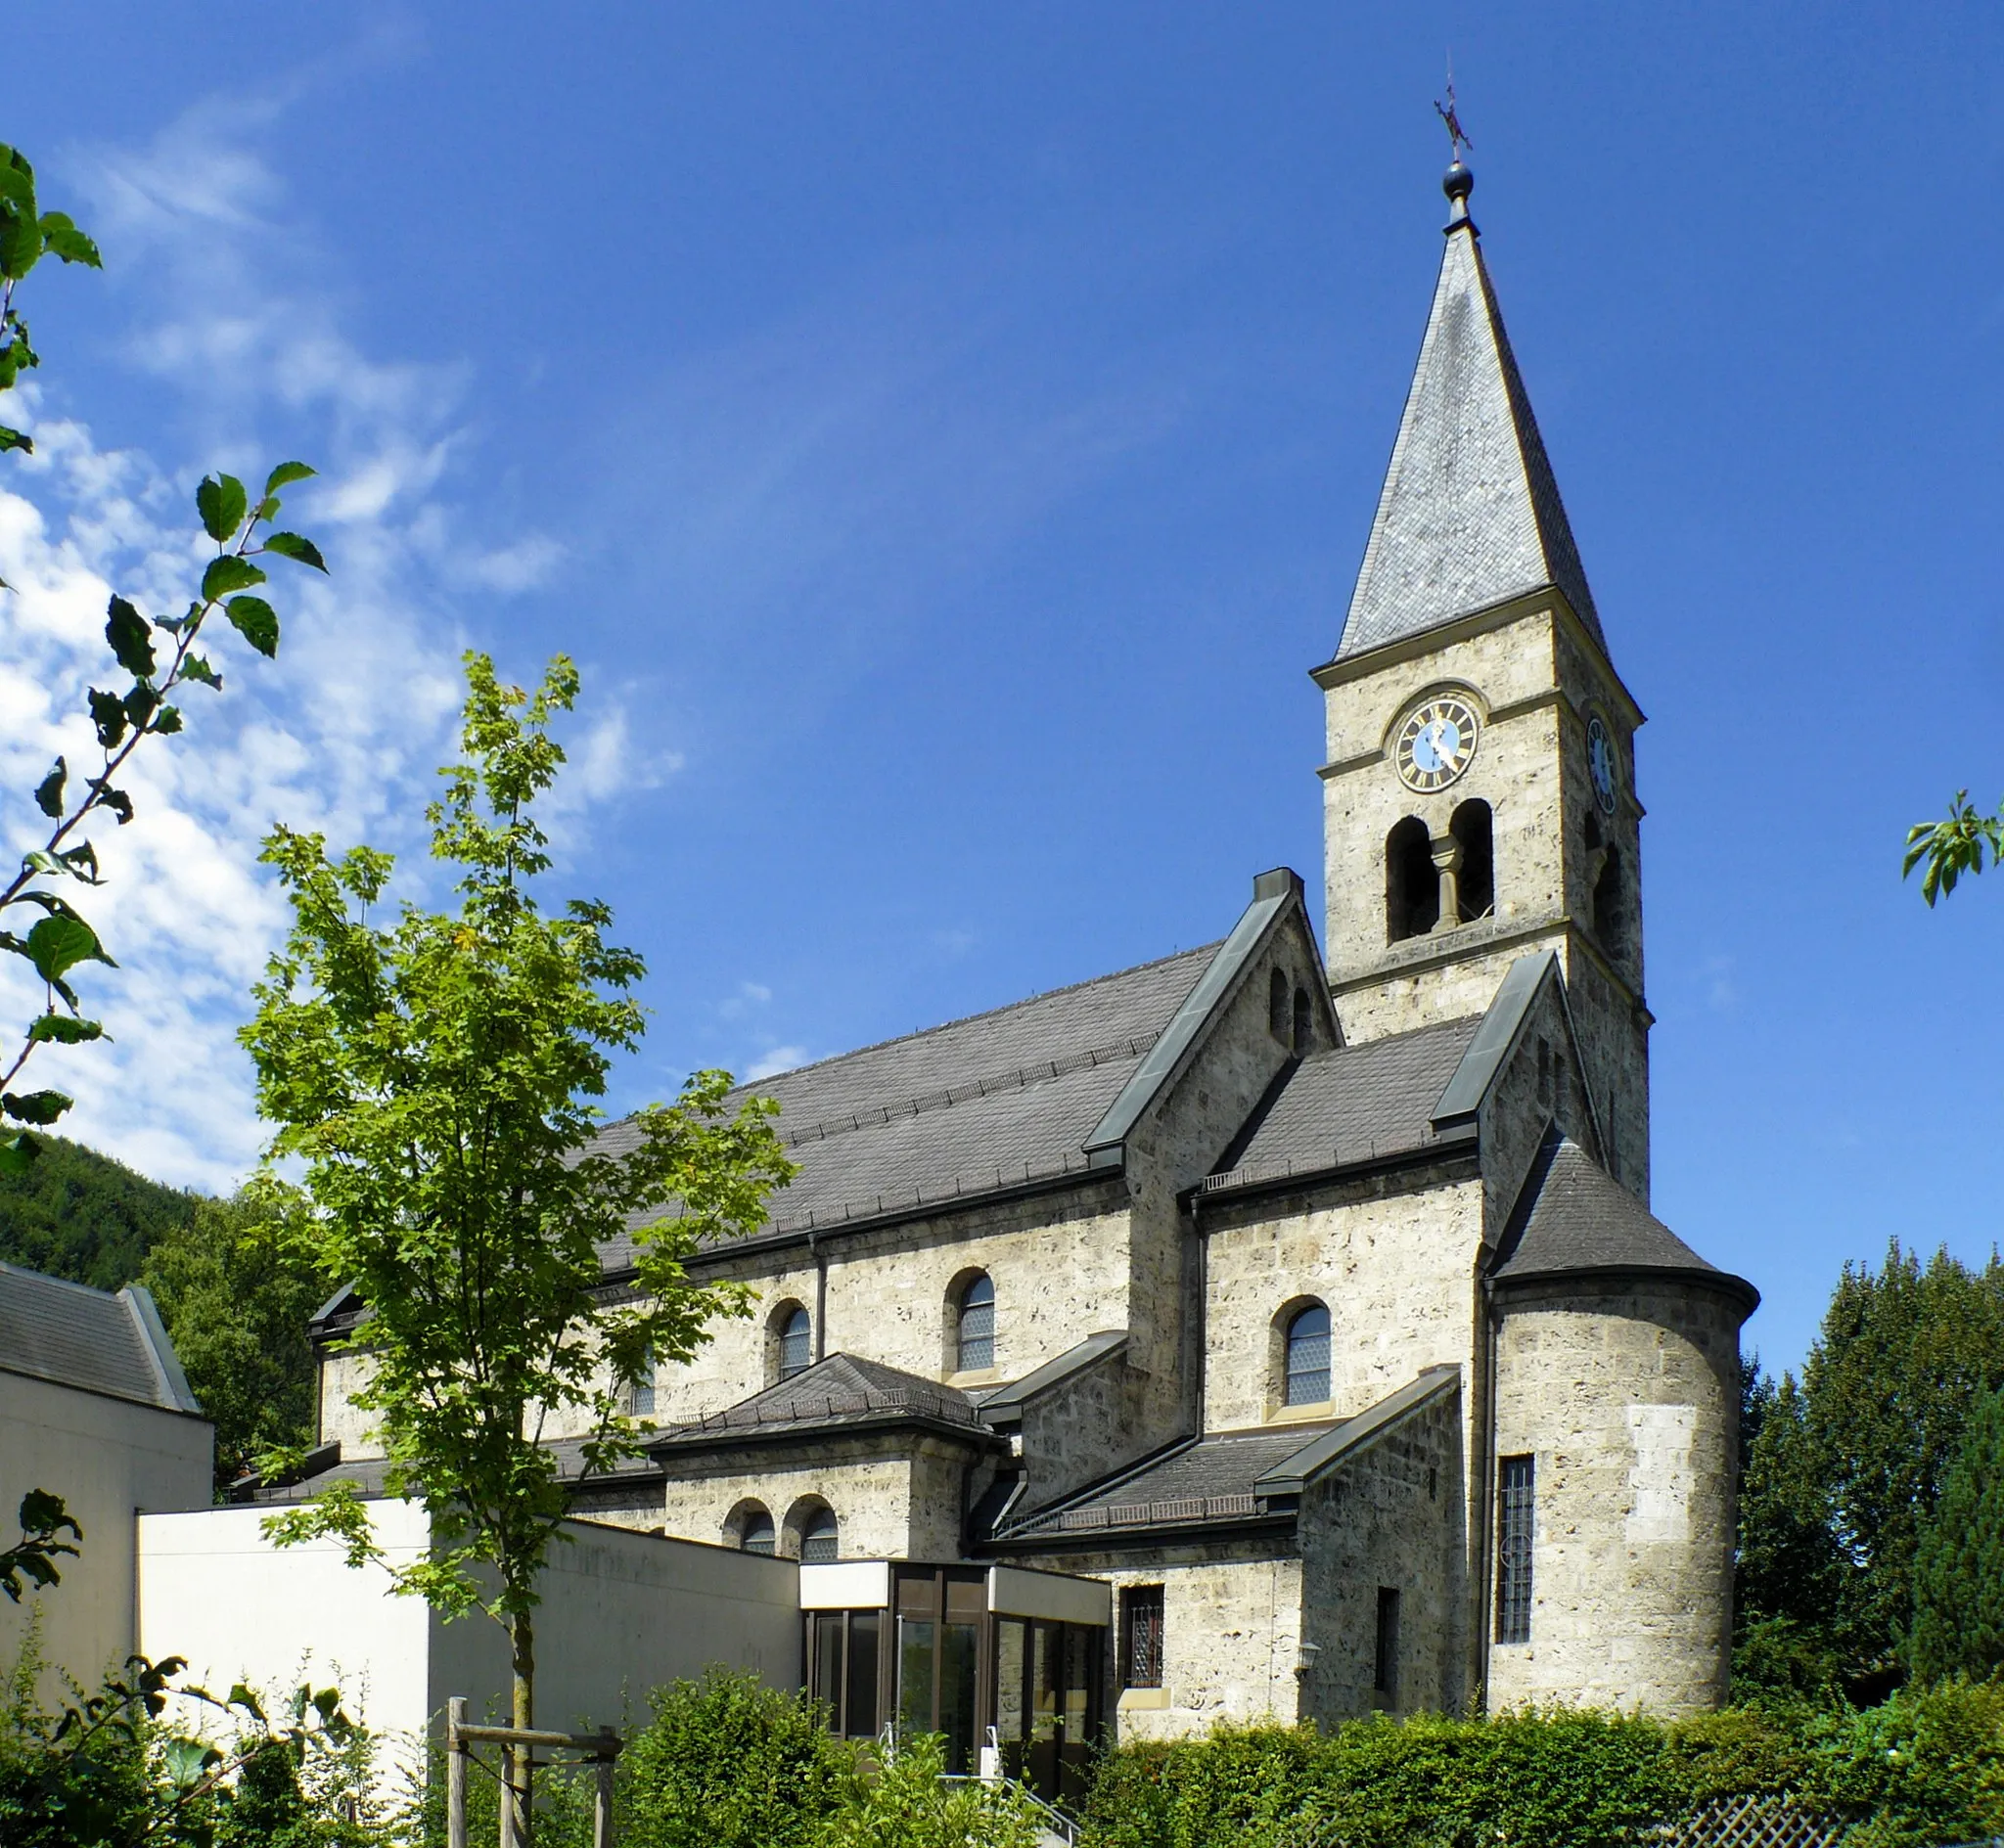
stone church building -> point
(1306, 1294)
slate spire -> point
(1470, 515)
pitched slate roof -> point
(999, 1098)
(1352, 1103)
(1572, 1218)
(78, 1336)
(842, 1390)
(1470, 515)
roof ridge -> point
(66, 1282)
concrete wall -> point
(1394, 1266)
(1629, 1398)
(107, 1459)
(622, 1613)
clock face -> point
(1600, 760)
(1436, 744)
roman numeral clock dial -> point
(1436, 744)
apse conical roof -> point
(1470, 516)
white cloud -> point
(779, 1059)
(341, 734)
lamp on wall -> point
(1304, 1659)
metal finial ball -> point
(1458, 182)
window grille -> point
(819, 1540)
(1308, 1376)
(1141, 1635)
(756, 1534)
(976, 1344)
(1515, 1504)
(795, 1345)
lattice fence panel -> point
(1754, 1822)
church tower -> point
(1478, 792)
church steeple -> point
(1470, 516)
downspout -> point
(1485, 1544)
(1202, 1359)
(820, 1297)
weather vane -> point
(1457, 140)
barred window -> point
(1515, 1500)
(977, 1341)
(1141, 1635)
(1307, 1380)
(795, 1345)
(640, 1393)
(819, 1540)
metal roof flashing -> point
(1353, 1435)
(1474, 1078)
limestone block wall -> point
(892, 1498)
(339, 1419)
(1231, 1635)
(1627, 1398)
(1531, 1090)
(1392, 1519)
(1393, 1257)
(1085, 1427)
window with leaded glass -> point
(756, 1534)
(820, 1539)
(1515, 1506)
(796, 1343)
(976, 1344)
(1307, 1368)
(1141, 1635)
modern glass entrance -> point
(959, 1649)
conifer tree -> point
(1959, 1566)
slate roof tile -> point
(78, 1336)
(842, 1389)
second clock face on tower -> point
(1436, 744)
(1600, 763)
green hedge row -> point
(1925, 1768)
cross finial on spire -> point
(1457, 140)
(1459, 182)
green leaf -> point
(290, 545)
(49, 792)
(16, 180)
(116, 801)
(256, 621)
(21, 246)
(227, 573)
(220, 500)
(55, 945)
(197, 667)
(131, 639)
(108, 714)
(11, 438)
(59, 233)
(18, 1153)
(284, 474)
(140, 704)
(63, 1029)
(40, 1107)
(167, 720)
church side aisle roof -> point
(844, 1389)
(1574, 1219)
(1469, 514)
(1007, 1096)
(73, 1335)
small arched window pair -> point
(1417, 883)
(1290, 1014)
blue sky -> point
(947, 436)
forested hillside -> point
(78, 1214)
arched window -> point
(796, 1334)
(1277, 1005)
(975, 1340)
(755, 1534)
(1308, 1361)
(1412, 885)
(820, 1539)
(1304, 1024)
(1472, 829)
(1607, 902)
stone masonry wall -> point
(1391, 1519)
(1628, 1400)
(1395, 1264)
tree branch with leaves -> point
(1965, 842)
(437, 1076)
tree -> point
(1952, 847)
(435, 1078)
(1846, 1469)
(75, 1213)
(1959, 1564)
(158, 658)
(236, 1294)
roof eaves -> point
(172, 1382)
(1352, 1436)
(1219, 978)
(1724, 1283)
(1475, 1076)
(1008, 1402)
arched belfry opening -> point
(1474, 832)
(1412, 884)
(1607, 899)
